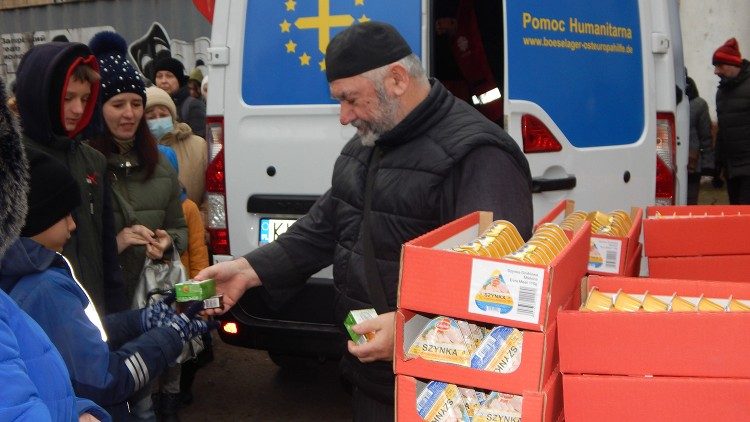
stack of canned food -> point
(440, 401)
(448, 340)
(598, 301)
(502, 240)
(616, 223)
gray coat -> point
(700, 135)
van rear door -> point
(282, 132)
(579, 98)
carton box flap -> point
(708, 267)
(618, 398)
(713, 230)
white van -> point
(591, 91)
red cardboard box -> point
(689, 344)
(544, 406)
(633, 267)
(614, 398)
(713, 230)
(710, 267)
(608, 255)
(538, 359)
(438, 281)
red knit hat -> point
(729, 53)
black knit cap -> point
(53, 193)
(362, 47)
(172, 65)
(118, 75)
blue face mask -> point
(160, 126)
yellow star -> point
(359, 2)
(363, 19)
(322, 65)
(285, 26)
(291, 46)
(304, 60)
(290, 5)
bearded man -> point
(420, 158)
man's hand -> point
(233, 279)
(381, 345)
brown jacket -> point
(192, 157)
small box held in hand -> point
(195, 290)
(355, 317)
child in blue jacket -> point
(108, 360)
(34, 382)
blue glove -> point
(158, 314)
(188, 325)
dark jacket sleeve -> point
(104, 376)
(487, 179)
(306, 248)
(115, 295)
(704, 135)
(122, 327)
(174, 219)
(196, 117)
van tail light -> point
(230, 327)
(666, 169)
(216, 209)
(537, 137)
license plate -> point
(272, 228)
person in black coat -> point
(733, 113)
(420, 159)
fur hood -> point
(14, 176)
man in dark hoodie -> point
(169, 75)
(56, 88)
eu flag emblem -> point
(286, 40)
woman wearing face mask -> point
(191, 150)
(148, 215)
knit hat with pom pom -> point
(118, 75)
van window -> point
(285, 42)
(582, 64)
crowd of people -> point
(721, 150)
(89, 194)
(115, 177)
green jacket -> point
(92, 249)
(153, 203)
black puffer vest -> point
(417, 157)
(733, 112)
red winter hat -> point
(729, 53)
